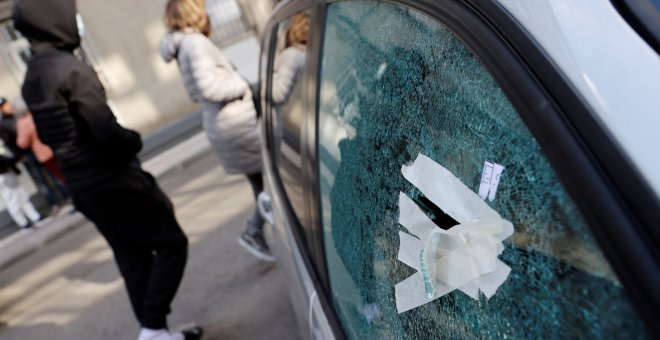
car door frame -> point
(307, 256)
(619, 207)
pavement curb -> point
(20, 244)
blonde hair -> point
(298, 30)
(182, 14)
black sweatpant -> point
(137, 220)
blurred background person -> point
(99, 160)
(229, 115)
(8, 130)
(19, 206)
(42, 161)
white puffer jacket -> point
(229, 115)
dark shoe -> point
(194, 333)
(255, 243)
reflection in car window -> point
(395, 83)
(288, 102)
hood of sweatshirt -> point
(47, 23)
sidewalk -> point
(20, 244)
(71, 287)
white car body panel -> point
(609, 64)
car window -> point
(287, 100)
(395, 84)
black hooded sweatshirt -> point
(67, 99)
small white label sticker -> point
(490, 180)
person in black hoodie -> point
(98, 160)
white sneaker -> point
(158, 334)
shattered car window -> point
(396, 84)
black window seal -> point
(644, 17)
(619, 206)
(310, 148)
(311, 143)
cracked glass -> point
(396, 83)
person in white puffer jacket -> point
(229, 115)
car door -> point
(404, 81)
(285, 62)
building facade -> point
(121, 41)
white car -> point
(465, 168)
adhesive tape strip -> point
(462, 258)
